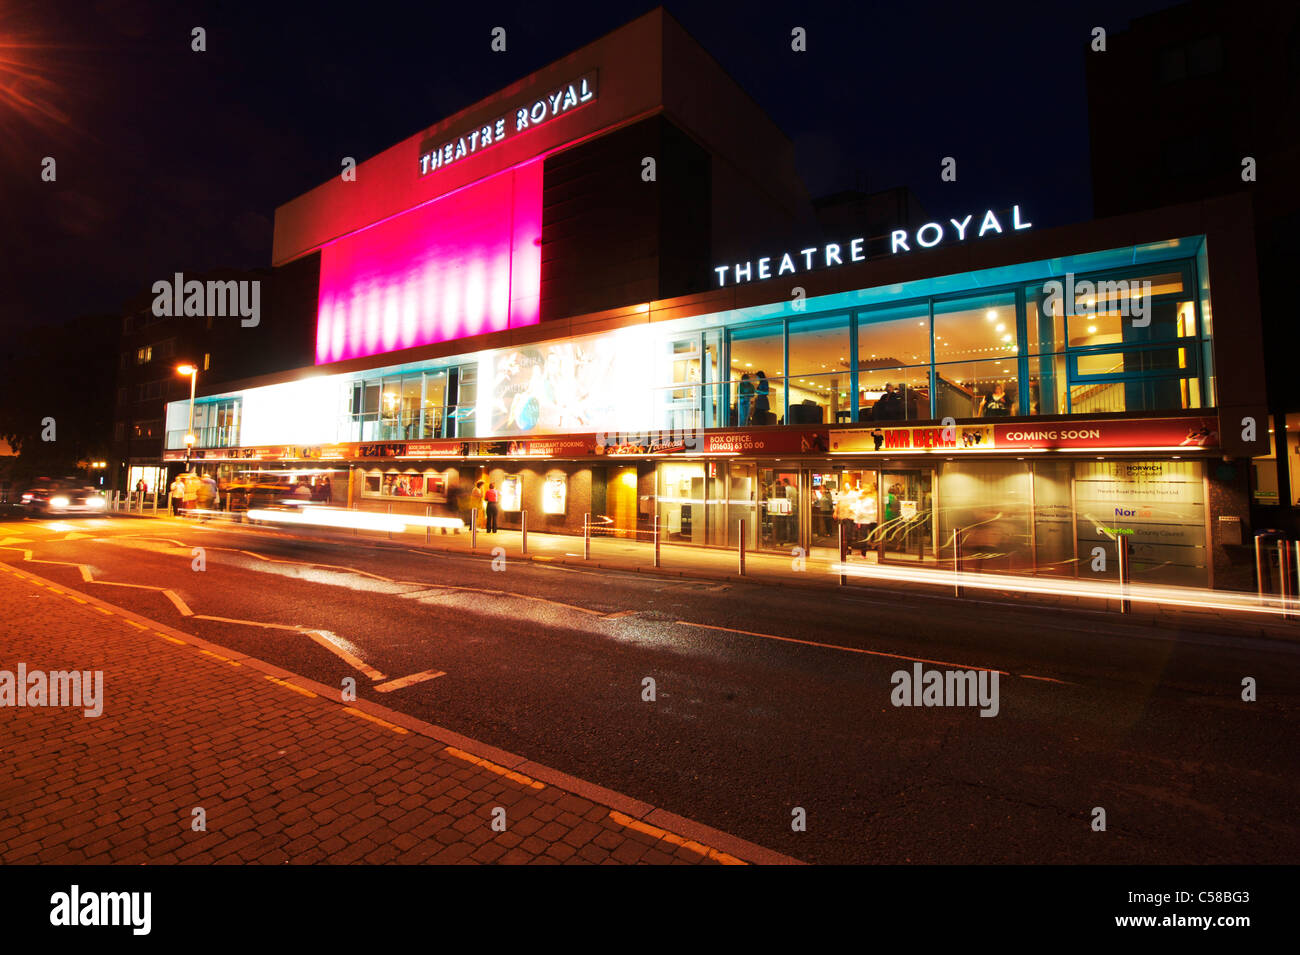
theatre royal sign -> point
(524, 116)
(833, 254)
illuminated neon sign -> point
(526, 116)
(833, 254)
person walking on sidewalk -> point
(191, 492)
(476, 502)
(491, 497)
(177, 493)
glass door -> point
(906, 529)
(778, 508)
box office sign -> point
(1126, 434)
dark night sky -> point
(170, 160)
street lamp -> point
(193, 372)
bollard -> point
(1259, 561)
(844, 554)
(523, 532)
(428, 528)
(473, 527)
(1284, 577)
(1296, 545)
(1125, 573)
(155, 502)
(656, 540)
(586, 537)
(956, 562)
(741, 548)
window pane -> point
(1133, 361)
(1130, 320)
(977, 389)
(1047, 383)
(894, 394)
(976, 328)
(757, 357)
(819, 370)
(894, 337)
(1044, 326)
(893, 364)
(1153, 394)
(820, 399)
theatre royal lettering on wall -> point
(522, 117)
(834, 254)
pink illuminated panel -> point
(466, 264)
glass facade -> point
(1105, 341)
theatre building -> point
(602, 289)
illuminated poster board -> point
(555, 493)
(575, 385)
(512, 493)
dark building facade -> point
(1202, 100)
(223, 346)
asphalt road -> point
(767, 699)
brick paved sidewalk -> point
(283, 772)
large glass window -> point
(819, 371)
(894, 363)
(1133, 345)
(976, 350)
(757, 373)
(977, 389)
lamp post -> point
(193, 372)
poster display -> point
(571, 385)
(512, 493)
(555, 494)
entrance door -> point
(778, 508)
(823, 488)
(907, 526)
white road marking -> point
(331, 643)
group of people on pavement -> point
(190, 492)
(483, 501)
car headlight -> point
(96, 502)
(59, 501)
